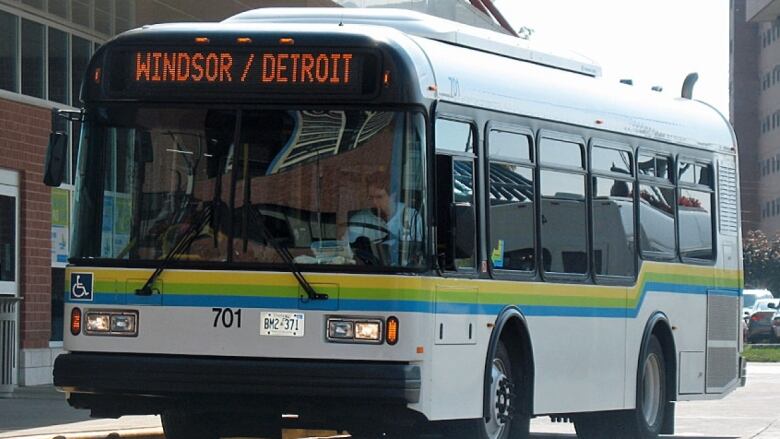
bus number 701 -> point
(227, 316)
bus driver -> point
(392, 223)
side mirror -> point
(56, 159)
(463, 216)
(772, 305)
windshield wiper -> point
(184, 241)
(284, 253)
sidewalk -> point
(41, 412)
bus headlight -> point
(341, 329)
(367, 331)
(97, 322)
(354, 330)
(104, 322)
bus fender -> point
(513, 320)
(666, 338)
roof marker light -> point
(201, 40)
(286, 41)
(243, 40)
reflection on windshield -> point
(331, 187)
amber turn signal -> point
(75, 321)
(392, 330)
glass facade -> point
(45, 46)
(9, 61)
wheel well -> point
(663, 333)
(516, 339)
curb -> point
(138, 433)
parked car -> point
(760, 323)
(749, 298)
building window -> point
(58, 66)
(103, 17)
(32, 59)
(81, 50)
(59, 8)
(80, 12)
(124, 16)
(8, 51)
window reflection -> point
(512, 217)
(564, 225)
(613, 227)
(695, 211)
(656, 219)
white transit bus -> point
(388, 223)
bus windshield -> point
(329, 187)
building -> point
(755, 108)
(45, 46)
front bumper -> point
(165, 377)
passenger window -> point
(561, 153)
(611, 160)
(564, 218)
(687, 173)
(695, 211)
(655, 166)
(463, 214)
(454, 136)
(656, 220)
(455, 208)
(509, 146)
(613, 227)
(512, 217)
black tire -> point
(515, 421)
(633, 424)
(187, 425)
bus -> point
(391, 224)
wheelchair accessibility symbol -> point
(81, 286)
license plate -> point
(285, 324)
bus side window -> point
(455, 213)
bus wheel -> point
(187, 425)
(508, 420)
(647, 419)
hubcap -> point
(651, 389)
(501, 394)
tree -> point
(761, 261)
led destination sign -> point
(248, 70)
(321, 68)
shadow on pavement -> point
(572, 436)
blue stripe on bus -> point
(183, 300)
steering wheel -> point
(382, 229)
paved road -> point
(752, 412)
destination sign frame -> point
(144, 71)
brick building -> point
(754, 88)
(45, 46)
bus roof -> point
(427, 26)
(453, 63)
(535, 90)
